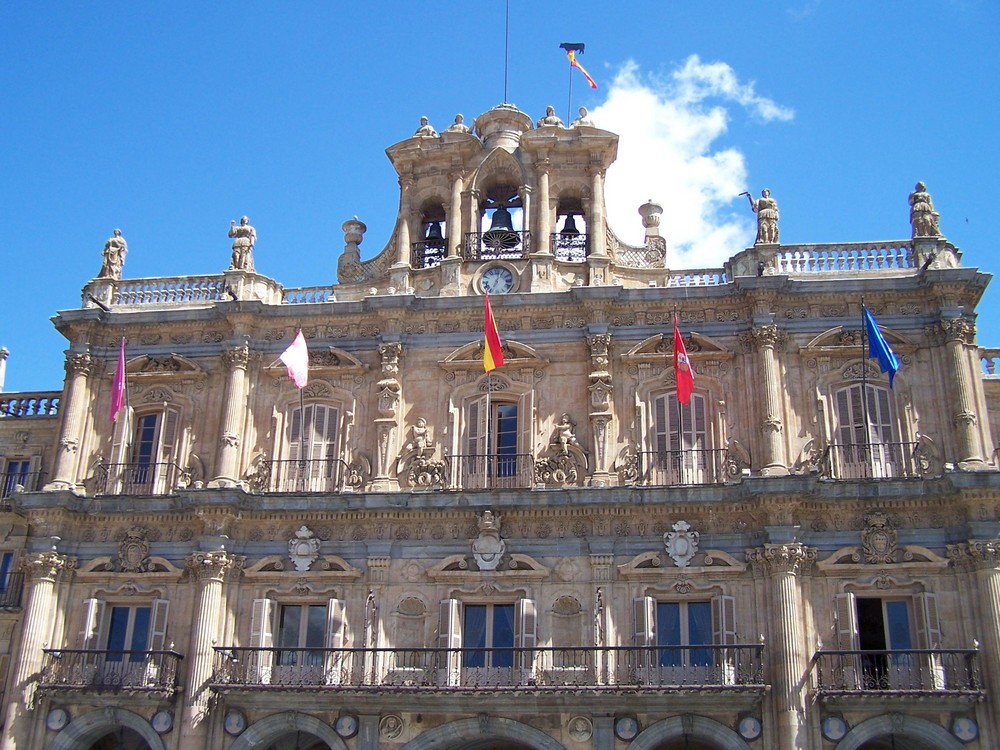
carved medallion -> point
(878, 540)
(488, 548)
(681, 543)
(303, 549)
(133, 551)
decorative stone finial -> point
(650, 213)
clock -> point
(346, 726)
(749, 728)
(57, 719)
(496, 280)
(834, 728)
(626, 728)
(234, 723)
(162, 722)
(965, 729)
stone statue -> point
(766, 209)
(459, 126)
(563, 435)
(245, 237)
(583, 119)
(923, 217)
(115, 250)
(550, 118)
(425, 130)
(420, 438)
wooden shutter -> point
(93, 618)
(450, 637)
(338, 662)
(847, 639)
(295, 441)
(122, 434)
(168, 436)
(724, 634)
(525, 636)
(158, 625)
(262, 637)
(661, 424)
(644, 608)
(929, 637)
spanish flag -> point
(493, 350)
(574, 63)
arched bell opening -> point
(502, 235)
(429, 250)
(570, 240)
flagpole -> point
(569, 102)
(506, 48)
(864, 382)
(680, 415)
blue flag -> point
(878, 348)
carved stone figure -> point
(303, 549)
(488, 548)
(115, 250)
(583, 119)
(420, 438)
(923, 217)
(563, 435)
(550, 118)
(244, 238)
(459, 125)
(766, 209)
(425, 130)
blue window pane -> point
(315, 634)
(117, 629)
(474, 636)
(899, 625)
(700, 632)
(288, 635)
(140, 634)
(506, 439)
(668, 632)
(503, 635)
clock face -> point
(496, 280)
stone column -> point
(786, 648)
(981, 558)
(765, 339)
(41, 571)
(454, 217)
(209, 570)
(526, 216)
(544, 211)
(403, 237)
(961, 333)
(73, 408)
(233, 417)
(595, 222)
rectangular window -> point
(491, 447)
(680, 449)
(314, 457)
(128, 631)
(868, 444)
(488, 635)
(16, 473)
(301, 627)
(684, 624)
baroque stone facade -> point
(410, 553)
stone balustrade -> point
(30, 404)
(989, 359)
(859, 256)
(307, 294)
(169, 290)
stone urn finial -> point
(650, 213)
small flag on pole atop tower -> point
(682, 368)
(571, 50)
(493, 349)
(296, 359)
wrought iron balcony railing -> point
(571, 248)
(292, 475)
(137, 479)
(11, 590)
(427, 253)
(490, 669)
(493, 471)
(16, 481)
(497, 244)
(681, 467)
(872, 461)
(925, 671)
(134, 671)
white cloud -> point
(667, 129)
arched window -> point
(867, 442)
(680, 449)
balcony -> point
(427, 253)
(497, 244)
(569, 248)
(872, 461)
(20, 481)
(11, 589)
(325, 475)
(493, 471)
(735, 668)
(921, 673)
(676, 468)
(137, 672)
(137, 479)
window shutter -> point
(526, 637)
(168, 436)
(338, 660)
(295, 441)
(122, 433)
(644, 608)
(262, 637)
(450, 637)
(93, 618)
(847, 638)
(158, 625)
(724, 620)
(929, 636)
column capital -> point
(237, 357)
(215, 565)
(79, 364)
(781, 558)
(47, 566)
(976, 554)
(763, 337)
(962, 330)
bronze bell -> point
(569, 226)
(501, 231)
(433, 235)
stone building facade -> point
(558, 555)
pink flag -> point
(296, 359)
(118, 388)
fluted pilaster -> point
(981, 559)
(960, 333)
(787, 647)
(765, 340)
(233, 416)
(79, 367)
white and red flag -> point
(682, 367)
(296, 359)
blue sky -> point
(169, 120)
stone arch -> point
(473, 731)
(266, 731)
(85, 730)
(919, 733)
(694, 727)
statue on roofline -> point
(244, 238)
(766, 209)
(425, 130)
(115, 250)
(923, 217)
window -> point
(487, 643)
(16, 473)
(314, 463)
(680, 448)
(867, 443)
(124, 639)
(491, 458)
(888, 629)
(678, 641)
(144, 454)
(310, 643)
